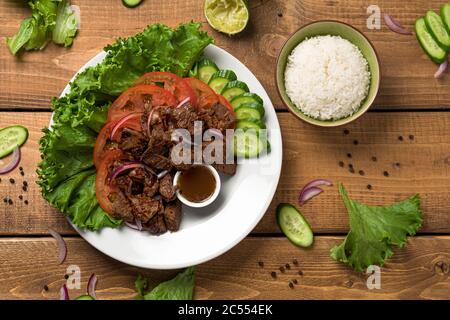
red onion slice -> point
(64, 293)
(162, 174)
(308, 194)
(137, 225)
(183, 102)
(442, 70)
(122, 121)
(62, 247)
(149, 121)
(128, 166)
(13, 163)
(92, 284)
(395, 26)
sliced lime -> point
(227, 16)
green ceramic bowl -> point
(338, 29)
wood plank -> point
(419, 271)
(309, 153)
(30, 80)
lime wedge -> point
(227, 16)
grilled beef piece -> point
(183, 117)
(145, 208)
(166, 188)
(121, 206)
(156, 225)
(156, 161)
(172, 215)
(229, 169)
(143, 182)
(132, 141)
(218, 116)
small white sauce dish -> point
(210, 199)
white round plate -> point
(207, 232)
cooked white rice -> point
(327, 77)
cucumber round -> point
(246, 113)
(294, 225)
(437, 28)
(206, 68)
(252, 105)
(429, 45)
(250, 124)
(11, 138)
(233, 89)
(246, 97)
(131, 3)
(249, 144)
(445, 15)
(220, 79)
(84, 297)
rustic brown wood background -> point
(407, 130)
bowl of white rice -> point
(328, 73)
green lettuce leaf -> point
(65, 25)
(179, 288)
(66, 173)
(374, 230)
(49, 19)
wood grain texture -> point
(30, 80)
(418, 165)
(419, 271)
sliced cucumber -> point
(445, 15)
(294, 225)
(246, 97)
(429, 45)
(247, 113)
(250, 124)
(84, 297)
(206, 68)
(252, 105)
(249, 144)
(233, 89)
(131, 3)
(11, 138)
(437, 28)
(220, 79)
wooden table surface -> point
(407, 130)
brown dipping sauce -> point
(196, 184)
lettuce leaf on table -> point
(66, 173)
(374, 230)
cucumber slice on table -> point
(437, 28)
(131, 3)
(294, 225)
(445, 15)
(252, 105)
(246, 98)
(250, 124)
(249, 144)
(11, 138)
(206, 68)
(233, 89)
(429, 45)
(248, 113)
(220, 79)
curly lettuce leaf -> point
(374, 230)
(179, 288)
(66, 172)
(65, 24)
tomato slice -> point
(102, 186)
(105, 134)
(171, 82)
(139, 99)
(206, 97)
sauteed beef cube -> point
(151, 186)
(156, 161)
(184, 117)
(172, 215)
(218, 116)
(132, 141)
(121, 206)
(229, 169)
(156, 225)
(145, 208)
(144, 181)
(166, 188)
